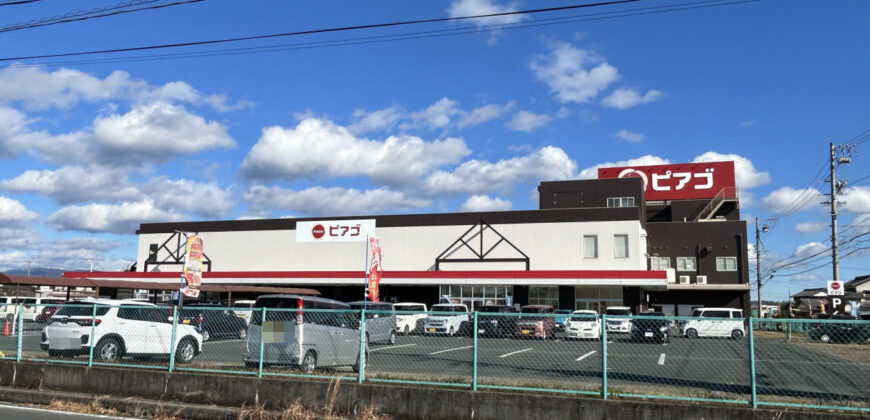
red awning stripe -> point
(491, 274)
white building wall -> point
(549, 246)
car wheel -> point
(825, 338)
(407, 330)
(186, 351)
(205, 335)
(108, 350)
(243, 333)
(692, 333)
(309, 362)
(736, 334)
(392, 337)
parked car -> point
(651, 327)
(836, 332)
(213, 323)
(380, 321)
(47, 312)
(496, 325)
(242, 309)
(561, 316)
(583, 324)
(537, 322)
(31, 306)
(448, 318)
(121, 328)
(407, 323)
(714, 322)
(616, 323)
(308, 340)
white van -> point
(29, 310)
(243, 308)
(615, 323)
(448, 318)
(410, 322)
(714, 322)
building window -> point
(620, 202)
(544, 295)
(686, 264)
(620, 246)
(726, 263)
(659, 263)
(590, 246)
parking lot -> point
(706, 368)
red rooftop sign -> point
(680, 181)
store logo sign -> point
(681, 181)
(335, 230)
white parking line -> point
(392, 347)
(610, 341)
(445, 351)
(585, 356)
(512, 353)
(662, 359)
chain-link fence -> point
(816, 363)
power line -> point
(17, 2)
(403, 36)
(89, 14)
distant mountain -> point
(37, 271)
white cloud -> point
(646, 160)
(437, 115)
(527, 122)
(747, 124)
(811, 248)
(477, 176)
(460, 8)
(485, 203)
(122, 218)
(15, 136)
(384, 119)
(37, 88)
(12, 212)
(792, 200)
(744, 171)
(483, 114)
(625, 98)
(573, 74)
(74, 184)
(810, 227)
(320, 201)
(321, 149)
(856, 199)
(182, 195)
(629, 136)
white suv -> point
(715, 322)
(121, 328)
(614, 322)
(408, 322)
(447, 318)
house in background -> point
(809, 301)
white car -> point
(31, 306)
(714, 322)
(447, 318)
(583, 324)
(120, 328)
(243, 309)
(413, 322)
(616, 324)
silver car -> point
(307, 339)
(380, 321)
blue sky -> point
(471, 121)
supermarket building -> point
(665, 237)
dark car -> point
(537, 321)
(214, 323)
(47, 312)
(836, 332)
(496, 325)
(650, 327)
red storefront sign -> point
(680, 181)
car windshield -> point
(563, 311)
(618, 312)
(80, 309)
(400, 307)
(448, 308)
(584, 316)
(537, 310)
(652, 314)
(496, 309)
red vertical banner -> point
(374, 268)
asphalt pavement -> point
(8, 411)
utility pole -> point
(758, 267)
(836, 186)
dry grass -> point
(97, 407)
(297, 411)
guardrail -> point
(811, 364)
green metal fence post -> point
(20, 332)
(604, 356)
(262, 340)
(362, 346)
(91, 338)
(788, 332)
(753, 399)
(474, 360)
(172, 337)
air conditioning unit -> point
(700, 279)
(684, 279)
